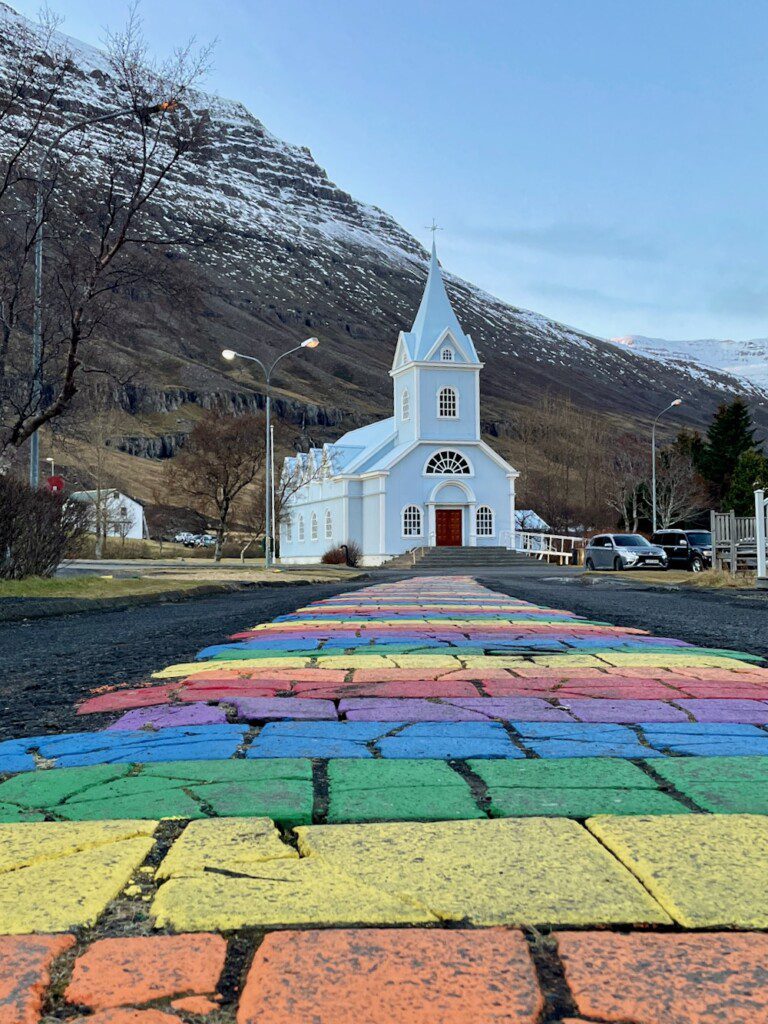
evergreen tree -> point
(730, 434)
(751, 472)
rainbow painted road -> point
(421, 801)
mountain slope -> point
(747, 360)
(295, 255)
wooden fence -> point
(734, 541)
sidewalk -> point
(481, 808)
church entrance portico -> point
(448, 527)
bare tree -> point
(627, 480)
(221, 458)
(680, 491)
(100, 213)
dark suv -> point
(686, 549)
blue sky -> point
(600, 161)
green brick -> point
(563, 773)
(48, 788)
(397, 790)
(729, 797)
(287, 801)
(233, 771)
(683, 771)
(12, 812)
(580, 803)
(161, 803)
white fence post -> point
(761, 507)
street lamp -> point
(143, 114)
(677, 401)
(53, 465)
(229, 354)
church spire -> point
(435, 315)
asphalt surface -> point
(48, 665)
(711, 618)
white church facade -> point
(423, 477)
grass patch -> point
(92, 588)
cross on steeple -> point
(434, 228)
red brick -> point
(125, 972)
(668, 979)
(380, 976)
(24, 974)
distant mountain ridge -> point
(745, 359)
(298, 255)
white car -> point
(623, 551)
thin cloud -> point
(577, 240)
(593, 297)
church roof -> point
(435, 315)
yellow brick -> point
(228, 844)
(502, 872)
(55, 876)
(707, 871)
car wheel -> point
(697, 564)
(590, 565)
(617, 566)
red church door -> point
(448, 527)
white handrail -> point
(761, 513)
(559, 546)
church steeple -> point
(436, 371)
(434, 317)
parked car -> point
(623, 551)
(686, 549)
(185, 537)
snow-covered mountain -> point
(745, 359)
(297, 254)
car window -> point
(660, 538)
(597, 542)
(702, 539)
(630, 540)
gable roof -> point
(434, 317)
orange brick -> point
(116, 1016)
(385, 975)
(120, 972)
(24, 974)
(668, 979)
(195, 1004)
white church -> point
(423, 477)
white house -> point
(424, 477)
(116, 513)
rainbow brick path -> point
(423, 801)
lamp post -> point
(143, 113)
(229, 354)
(677, 401)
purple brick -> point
(628, 711)
(463, 709)
(522, 709)
(405, 709)
(169, 715)
(745, 712)
(265, 709)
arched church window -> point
(301, 529)
(405, 405)
(313, 526)
(448, 463)
(447, 355)
(289, 529)
(484, 521)
(411, 521)
(328, 525)
(447, 403)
